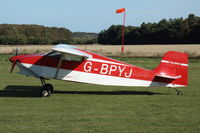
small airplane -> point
(66, 62)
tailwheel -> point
(178, 92)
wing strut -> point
(58, 66)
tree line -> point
(33, 34)
(13, 34)
(172, 31)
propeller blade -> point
(13, 66)
(16, 51)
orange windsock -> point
(121, 10)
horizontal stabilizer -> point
(169, 77)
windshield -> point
(54, 54)
(65, 56)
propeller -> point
(13, 66)
(13, 60)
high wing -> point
(64, 48)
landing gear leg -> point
(42, 81)
(178, 92)
(47, 89)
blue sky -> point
(93, 15)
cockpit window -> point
(65, 56)
(71, 57)
(54, 54)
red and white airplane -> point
(66, 62)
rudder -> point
(174, 66)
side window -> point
(71, 57)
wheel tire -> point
(49, 87)
(46, 90)
(45, 93)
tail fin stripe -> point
(170, 62)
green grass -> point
(86, 108)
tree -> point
(176, 31)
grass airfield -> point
(86, 108)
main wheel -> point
(46, 90)
(49, 86)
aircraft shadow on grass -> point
(34, 91)
(20, 91)
(108, 92)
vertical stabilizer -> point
(174, 66)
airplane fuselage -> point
(99, 70)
